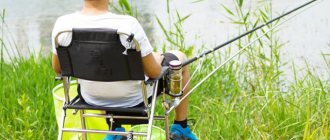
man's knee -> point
(181, 56)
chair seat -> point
(131, 111)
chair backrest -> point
(97, 55)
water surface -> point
(30, 23)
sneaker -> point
(179, 133)
(116, 137)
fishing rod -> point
(176, 103)
(246, 33)
(217, 68)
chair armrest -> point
(163, 72)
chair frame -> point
(150, 107)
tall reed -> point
(246, 99)
(26, 104)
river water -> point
(308, 35)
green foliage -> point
(245, 99)
(123, 7)
(175, 36)
(2, 44)
(26, 105)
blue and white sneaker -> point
(116, 137)
(177, 132)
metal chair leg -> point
(167, 128)
(151, 117)
(60, 130)
(66, 85)
(83, 124)
(166, 122)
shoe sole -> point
(176, 137)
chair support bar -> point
(104, 132)
(122, 117)
(151, 117)
(66, 84)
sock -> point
(183, 123)
(114, 125)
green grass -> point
(243, 100)
(226, 109)
(26, 106)
(222, 107)
(246, 99)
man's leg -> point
(181, 111)
(180, 126)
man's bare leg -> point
(182, 110)
(180, 128)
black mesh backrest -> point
(97, 55)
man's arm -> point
(151, 65)
(56, 64)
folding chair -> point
(89, 57)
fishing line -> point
(194, 73)
(238, 52)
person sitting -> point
(95, 14)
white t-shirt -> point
(109, 94)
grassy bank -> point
(248, 98)
(243, 100)
(26, 103)
(223, 108)
(226, 108)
